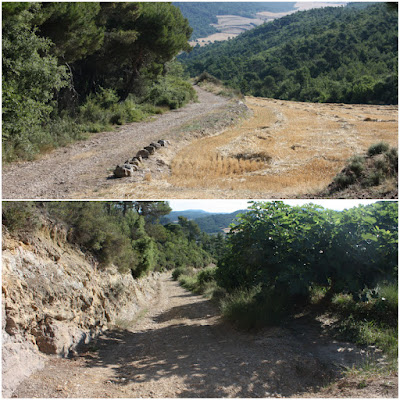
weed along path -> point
(84, 166)
(181, 348)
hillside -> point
(336, 54)
(189, 214)
(210, 223)
(217, 223)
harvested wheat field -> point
(283, 150)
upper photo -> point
(123, 100)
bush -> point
(20, 216)
(171, 92)
(205, 76)
(378, 148)
(206, 275)
(254, 308)
(177, 272)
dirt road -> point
(181, 348)
(86, 165)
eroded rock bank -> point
(56, 298)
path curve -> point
(85, 165)
(182, 348)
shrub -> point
(356, 165)
(206, 275)
(254, 308)
(205, 76)
(171, 92)
(344, 180)
(20, 216)
(177, 272)
(378, 148)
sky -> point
(228, 206)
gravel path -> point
(181, 348)
(86, 165)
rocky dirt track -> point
(86, 165)
(181, 348)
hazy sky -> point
(229, 206)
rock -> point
(124, 171)
(156, 145)
(150, 149)
(164, 143)
(143, 153)
(66, 312)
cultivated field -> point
(284, 150)
(230, 26)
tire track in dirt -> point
(85, 165)
(182, 348)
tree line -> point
(335, 54)
(78, 67)
(126, 234)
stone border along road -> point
(182, 348)
(86, 164)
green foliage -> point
(172, 92)
(30, 77)
(71, 27)
(198, 281)
(284, 251)
(244, 308)
(177, 272)
(76, 64)
(334, 54)
(20, 216)
(371, 321)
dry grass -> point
(285, 149)
(304, 147)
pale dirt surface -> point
(305, 145)
(181, 348)
(68, 171)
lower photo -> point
(200, 298)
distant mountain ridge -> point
(211, 223)
(189, 214)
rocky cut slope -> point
(55, 299)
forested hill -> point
(202, 15)
(208, 222)
(347, 54)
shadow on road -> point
(213, 360)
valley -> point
(230, 26)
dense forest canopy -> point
(335, 54)
(202, 14)
(73, 67)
